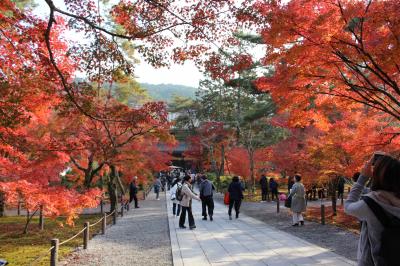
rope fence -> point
(96, 223)
(74, 236)
(41, 256)
(55, 244)
(110, 214)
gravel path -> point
(336, 239)
(141, 237)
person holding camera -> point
(379, 210)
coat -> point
(235, 190)
(370, 237)
(173, 193)
(132, 189)
(273, 185)
(188, 195)
(157, 185)
(298, 197)
(264, 183)
(206, 188)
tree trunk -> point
(214, 167)
(112, 192)
(88, 178)
(28, 220)
(222, 166)
(334, 204)
(252, 177)
(2, 204)
(112, 187)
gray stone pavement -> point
(336, 239)
(141, 237)
(245, 241)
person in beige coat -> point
(186, 203)
(298, 201)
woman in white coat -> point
(298, 201)
(176, 206)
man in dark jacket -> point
(206, 196)
(264, 188)
(133, 192)
(235, 190)
(274, 188)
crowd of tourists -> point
(374, 200)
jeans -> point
(182, 219)
(134, 198)
(207, 203)
(264, 194)
(235, 203)
(174, 210)
(274, 193)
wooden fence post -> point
(101, 206)
(104, 224)
(41, 219)
(86, 235)
(115, 216)
(277, 206)
(323, 214)
(54, 252)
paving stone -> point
(243, 241)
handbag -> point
(226, 198)
(288, 201)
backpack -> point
(178, 193)
(390, 236)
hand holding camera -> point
(368, 166)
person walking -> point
(298, 201)
(133, 192)
(157, 185)
(340, 187)
(264, 188)
(273, 186)
(235, 190)
(186, 203)
(379, 211)
(176, 207)
(206, 196)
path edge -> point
(175, 248)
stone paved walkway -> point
(141, 237)
(245, 241)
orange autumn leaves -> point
(40, 130)
(333, 76)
